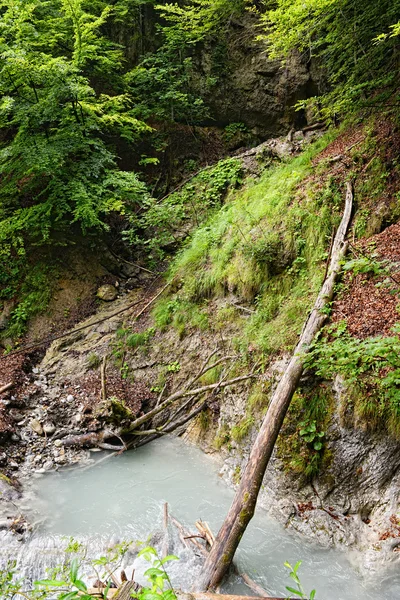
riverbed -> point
(122, 499)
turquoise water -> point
(122, 498)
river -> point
(122, 498)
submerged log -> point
(244, 503)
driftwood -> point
(165, 546)
(211, 596)
(93, 439)
(183, 394)
(103, 393)
(244, 503)
(6, 387)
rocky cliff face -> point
(353, 504)
(253, 89)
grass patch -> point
(267, 246)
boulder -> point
(107, 292)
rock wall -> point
(253, 89)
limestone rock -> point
(36, 426)
(107, 292)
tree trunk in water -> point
(244, 503)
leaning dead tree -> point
(220, 557)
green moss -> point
(5, 479)
(313, 403)
(93, 360)
(222, 437)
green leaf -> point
(51, 583)
(80, 585)
(168, 558)
(149, 551)
(73, 573)
(293, 591)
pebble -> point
(35, 370)
(36, 426)
(58, 443)
(15, 437)
(70, 398)
(49, 428)
(48, 465)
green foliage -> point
(35, 294)
(310, 434)
(64, 583)
(134, 340)
(364, 265)
(298, 591)
(57, 173)
(93, 361)
(301, 444)
(181, 314)
(371, 367)
(189, 206)
(161, 586)
(164, 85)
(345, 38)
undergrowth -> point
(301, 443)
(370, 369)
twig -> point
(103, 379)
(151, 301)
(248, 310)
(6, 387)
(165, 546)
(128, 262)
(161, 395)
(205, 369)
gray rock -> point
(49, 428)
(7, 491)
(70, 398)
(107, 292)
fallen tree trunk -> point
(211, 596)
(244, 503)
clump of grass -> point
(135, 340)
(241, 429)
(93, 360)
(181, 314)
(222, 437)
